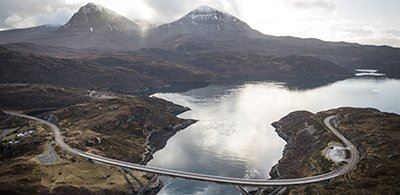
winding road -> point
(210, 178)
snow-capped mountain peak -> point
(205, 9)
(96, 18)
(208, 13)
(91, 7)
(206, 21)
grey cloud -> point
(358, 32)
(23, 13)
(27, 13)
(230, 6)
(168, 10)
(394, 42)
(313, 4)
(172, 9)
(393, 32)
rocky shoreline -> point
(376, 134)
(107, 124)
(158, 140)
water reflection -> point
(234, 137)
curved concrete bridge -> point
(210, 178)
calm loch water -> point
(233, 136)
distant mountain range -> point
(205, 41)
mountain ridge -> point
(202, 30)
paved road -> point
(210, 178)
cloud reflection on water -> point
(233, 136)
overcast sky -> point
(364, 21)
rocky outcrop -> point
(301, 128)
(376, 135)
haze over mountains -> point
(205, 42)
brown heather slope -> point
(128, 72)
(39, 97)
(120, 128)
(376, 135)
(133, 75)
(113, 125)
(236, 65)
(21, 170)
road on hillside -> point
(210, 178)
